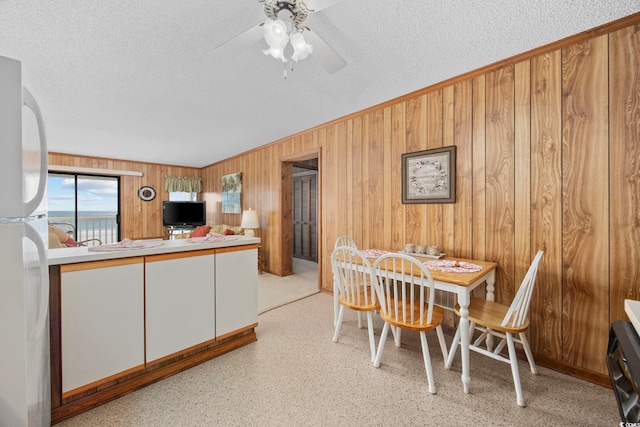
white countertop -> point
(632, 308)
(82, 253)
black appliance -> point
(623, 361)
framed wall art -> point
(429, 176)
(232, 193)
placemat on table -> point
(453, 266)
(374, 253)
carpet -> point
(275, 291)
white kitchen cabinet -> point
(180, 309)
(102, 320)
(115, 308)
(236, 289)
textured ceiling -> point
(140, 80)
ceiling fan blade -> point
(242, 41)
(327, 57)
(317, 5)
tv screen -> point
(183, 214)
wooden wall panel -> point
(463, 208)
(624, 184)
(366, 178)
(434, 140)
(522, 172)
(348, 176)
(386, 174)
(478, 220)
(585, 192)
(357, 177)
(398, 147)
(546, 203)
(448, 139)
(375, 147)
(500, 177)
(416, 129)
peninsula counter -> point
(123, 319)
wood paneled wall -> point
(139, 219)
(548, 157)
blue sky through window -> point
(94, 194)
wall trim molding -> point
(93, 171)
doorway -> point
(305, 210)
(301, 231)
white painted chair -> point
(504, 322)
(342, 241)
(406, 292)
(345, 241)
(352, 279)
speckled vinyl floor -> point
(294, 375)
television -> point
(183, 214)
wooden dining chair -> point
(406, 292)
(343, 240)
(352, 278)
(504, 322)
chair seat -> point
(436, 319)
(490, 314)
(360, 307)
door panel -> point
(305, 216)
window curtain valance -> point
(184, 183)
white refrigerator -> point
(25, 390)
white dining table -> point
(461, 284)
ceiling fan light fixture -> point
(276, 53)
(275, 34)
(301, 49)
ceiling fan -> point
(290, 34)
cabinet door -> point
(102, 320)
(180, 310)
(236, 290)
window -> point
(86, 206)
(182, 196)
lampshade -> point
(275, 34)
(301, 49)
(249, 222)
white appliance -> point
(25, 390)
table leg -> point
(491, 281)
(336, 305)
(463, 302)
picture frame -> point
(232, 193)
(429, 176)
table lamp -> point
(250, 222)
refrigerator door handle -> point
(30, 102)
(43, 309)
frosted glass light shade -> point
(301, 49)
(250, 222)
(275, 34)
(276, 53)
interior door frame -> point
(286, 210)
